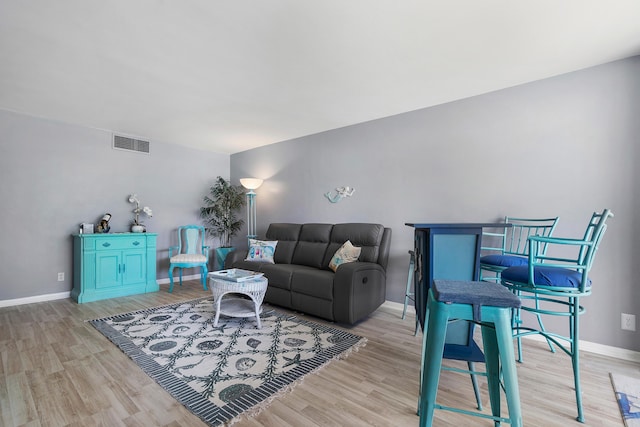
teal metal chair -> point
(509, 247)
(409, 293)
(558, 281)
(191, 252)
(490, 306)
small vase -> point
(137, 228)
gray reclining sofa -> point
(301, 280)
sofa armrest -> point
(359, 288)
(232, 257)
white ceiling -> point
(232, 75)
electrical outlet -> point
(628, 322)
(60, 277)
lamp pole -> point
(251, 184)
(251, 214)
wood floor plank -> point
(20, 399)
(57, 370)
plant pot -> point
(221, 255)
(137, 228)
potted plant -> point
(220, 214)
(137, 226)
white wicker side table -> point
(238, 307)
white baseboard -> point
(33, 299)
(591, 347)
(63, 295)
(177, 279)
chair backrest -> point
(190, 239)
(513, 240)
(587, 248)
(594, 233)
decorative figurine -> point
(341, 192)
(103, 226)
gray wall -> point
(55, 176)
(563, 146)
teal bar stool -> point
(490, 306)
(409, 294)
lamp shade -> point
(251, 183)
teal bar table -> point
(447, 251)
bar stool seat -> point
(489, 305)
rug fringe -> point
(257, 409)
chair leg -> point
(408, 293)
(424, 350)
(171, 279)
(474, 382)
(516, 321)
(203, 275)
(549, 343)
(495, 278)
(492, 363)
(181, 276)
(575, 354)
(434, 343)
(504, 338)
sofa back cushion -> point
(362, 235)
(312, 245)
(287, 236)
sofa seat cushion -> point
(279, 275)
(313, 282)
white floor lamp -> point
(251, 184)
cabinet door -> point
(134, 269)
(108, 267)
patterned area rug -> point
(221, 372)
(628, 395)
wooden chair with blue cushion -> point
(191, 252)
(554, 283)
(509, 247)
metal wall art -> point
(340, 193)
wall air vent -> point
(130, 144)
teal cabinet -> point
(113, 265)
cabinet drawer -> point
(109, 243)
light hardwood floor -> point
(56, 370)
